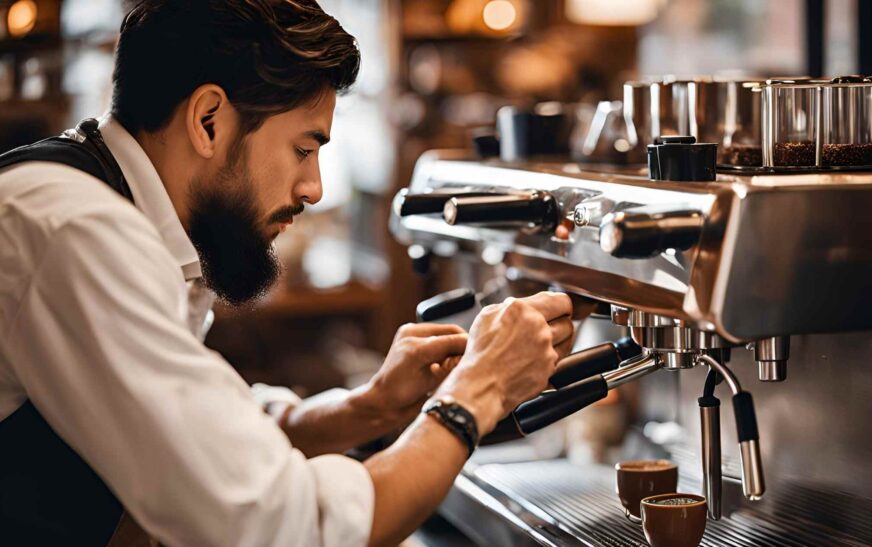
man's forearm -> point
(340, 420)
(412, 477)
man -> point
(219, 110)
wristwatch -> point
(457, 419)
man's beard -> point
(238, 260)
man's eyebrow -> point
(319, 136)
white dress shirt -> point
(101, 318)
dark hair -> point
(269, 56)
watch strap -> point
(456, 419)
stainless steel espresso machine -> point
(739, 265)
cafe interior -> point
(695, 174)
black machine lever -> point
(644, 232)
(445, 304)
(406, 204)
(536, 209)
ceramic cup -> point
(642, 478)
(674, 520)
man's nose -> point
(309, 190)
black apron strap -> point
(82, 148)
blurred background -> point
(433, 72)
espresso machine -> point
(737, 264)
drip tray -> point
(556, 503)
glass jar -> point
(790, 123)
(847, 123)
(728, 112)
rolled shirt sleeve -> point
(101, 346)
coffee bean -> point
(794, 154)
(847, 154)
(742, 155)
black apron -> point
(48, 494)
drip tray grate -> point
(583, 502)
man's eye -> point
(303, 153)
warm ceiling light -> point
(499, 14)
(21, 17)
(613, 12)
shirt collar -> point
(150, 195)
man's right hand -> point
(513, 349)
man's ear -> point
(209, 119)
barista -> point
(115, 242)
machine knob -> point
(537, 209)
(641, 233)
(681, 158)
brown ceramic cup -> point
(674, 520)
(643, 478)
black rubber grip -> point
(592, 361)
(505, 430)
(708, 401)
(536, 208)
(551, 407)
(746, 419)
(445, 305)
(711, 380)
(431, 202)
(585, 363)
(627, 348)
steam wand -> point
(746, 427)
(710, 432)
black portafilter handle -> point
(593, 360)
(534, 208)
(548, 408)
(578, 382)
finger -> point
(550, 304)
(424, 330)
(438, 373)
(451, 362)
(563, 348)
(436, 349)
(562, 329)
(445, 366)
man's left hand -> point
(420, 357)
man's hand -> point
(420, 357)
(513, 349)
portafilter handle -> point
(592, 361)
(571, 369)
(552, 406)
